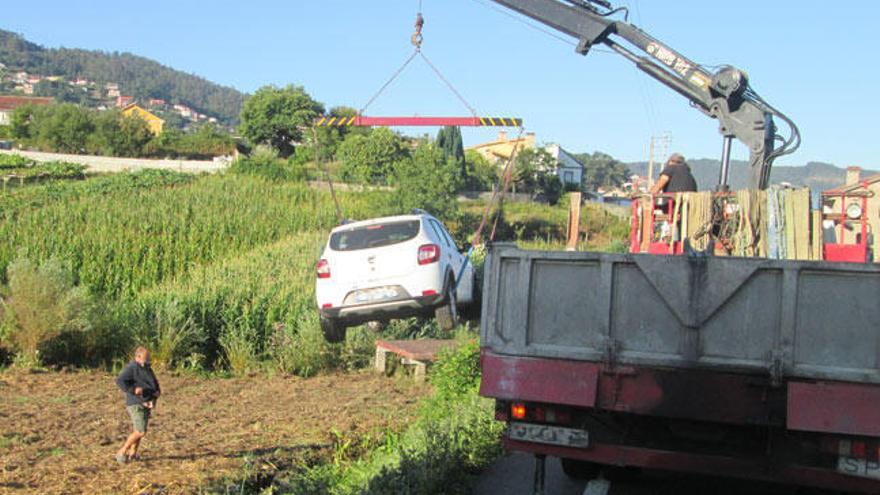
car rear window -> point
(371, 236)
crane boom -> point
(724, 95)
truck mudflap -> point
(712, 465)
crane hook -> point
(416, 38)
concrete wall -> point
(116, 164)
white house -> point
(570, 170)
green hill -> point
(137, 76)
(817, 176)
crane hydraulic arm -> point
(724, 95)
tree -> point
(427, 180)
(276, 117)
(370, 159)
(450, 142)
(479, 173)
(536, 172)
(65, 128)
(332, 137)
(118, 135)
(602, 170)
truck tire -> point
(334, 330)
(447, 314)
(580, 470)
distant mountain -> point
(137, 76)
(817, 176)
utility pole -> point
(659, 148)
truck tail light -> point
(429, 253)
(539, 413)
(859, 449)
(323, 269)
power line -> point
(536, 27)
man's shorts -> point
(140, 416)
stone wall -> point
(117, 164)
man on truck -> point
(675, 177)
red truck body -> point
(803, 410)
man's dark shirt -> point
(680, 179)
(135, 375)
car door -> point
(447, 252)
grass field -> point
(59, 431)
(215, 275)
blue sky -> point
(813, 60)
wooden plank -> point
(574, 221)
(417, 350)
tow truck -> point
(744, 367)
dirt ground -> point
(59, 431)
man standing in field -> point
(141, 389)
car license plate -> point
(378, 294)
(554, 435)
(858, 467)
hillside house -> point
(570, 171)
(123, 101)
(501, 148)
(153, 122)
(855, 183)
(8, 104)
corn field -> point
(125, 240)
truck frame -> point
(751, 368)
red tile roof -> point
(13, 102)
(871, 179)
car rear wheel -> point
(334, 330)
(447, 315)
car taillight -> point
(323, 269)
(429, 253)
(518, 411)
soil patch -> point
(59, 431)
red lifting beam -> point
(362, 121)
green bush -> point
(238, 342)
(15, 161)
(42, 304)
(264, 162)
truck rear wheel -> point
(447, 315)
(334, 330)
(580, 470)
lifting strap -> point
(502, 186)
(319, 159)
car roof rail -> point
(419, 211)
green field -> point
(213, 271)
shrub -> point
(370, 159)
(15, 161)
(264, 162)
(173, 337)
(239, 349)
(43, 303)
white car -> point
(391, 267)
